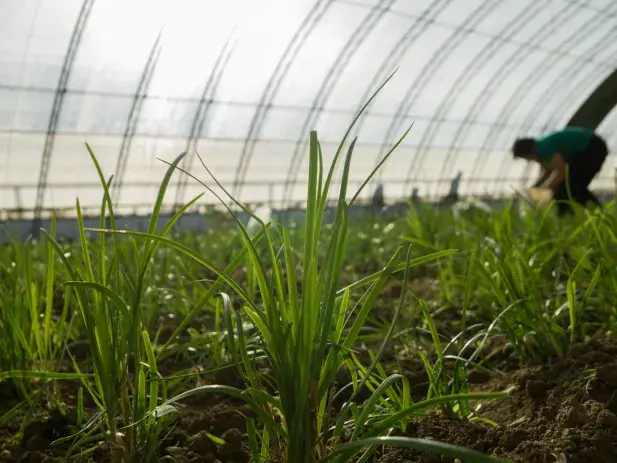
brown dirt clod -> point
(556, 413)
(565, 410)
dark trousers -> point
(581, 171)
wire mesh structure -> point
(242, 83)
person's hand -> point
(541, 195)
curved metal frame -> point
(598, 105)
(396, 53)
(515, 98)
(542, 32)
(509, 31)
(353, 44)
(418, 27)
(432, 65)
(133, 117)
(201, 113)
(310, 22)
(558, 85)
(65, 73)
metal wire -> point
(226, 139)
(328, 85)
(527, 81)
(554, 90)
(201, 113)
(65, 73)
(133, 117)
(215, 102)
(310, 22)
(432, 65)
(510, 29)
(543, 32)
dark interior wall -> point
(598, 105)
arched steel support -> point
(425, 75)
(414, 33)
(131, 124)
(514, 100)
(295, 45)
(65, 73)
(560, 85)
(201, 113)
(543, 32)
(353, 44)
(598, 105)
(473, 68)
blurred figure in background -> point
(415, 196)
(452, 196)
(378, 201)
(581, 149)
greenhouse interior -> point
(303, 231)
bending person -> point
(582, 150)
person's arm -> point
(557, 166)
(544, 175)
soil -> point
(564, 412)
(188, 440)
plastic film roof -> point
(243, 82)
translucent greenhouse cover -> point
(243, 82)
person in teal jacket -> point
(581, 149)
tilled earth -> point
(564, 412)
(561, 413)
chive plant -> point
(109, 299)
(288, 298)
(296, 311)
(543, 282)
(33, 326)
(304, 326)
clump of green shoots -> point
(124, 382)
(296, 315)
(543, 282)
(304, 326)
(34, 325)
